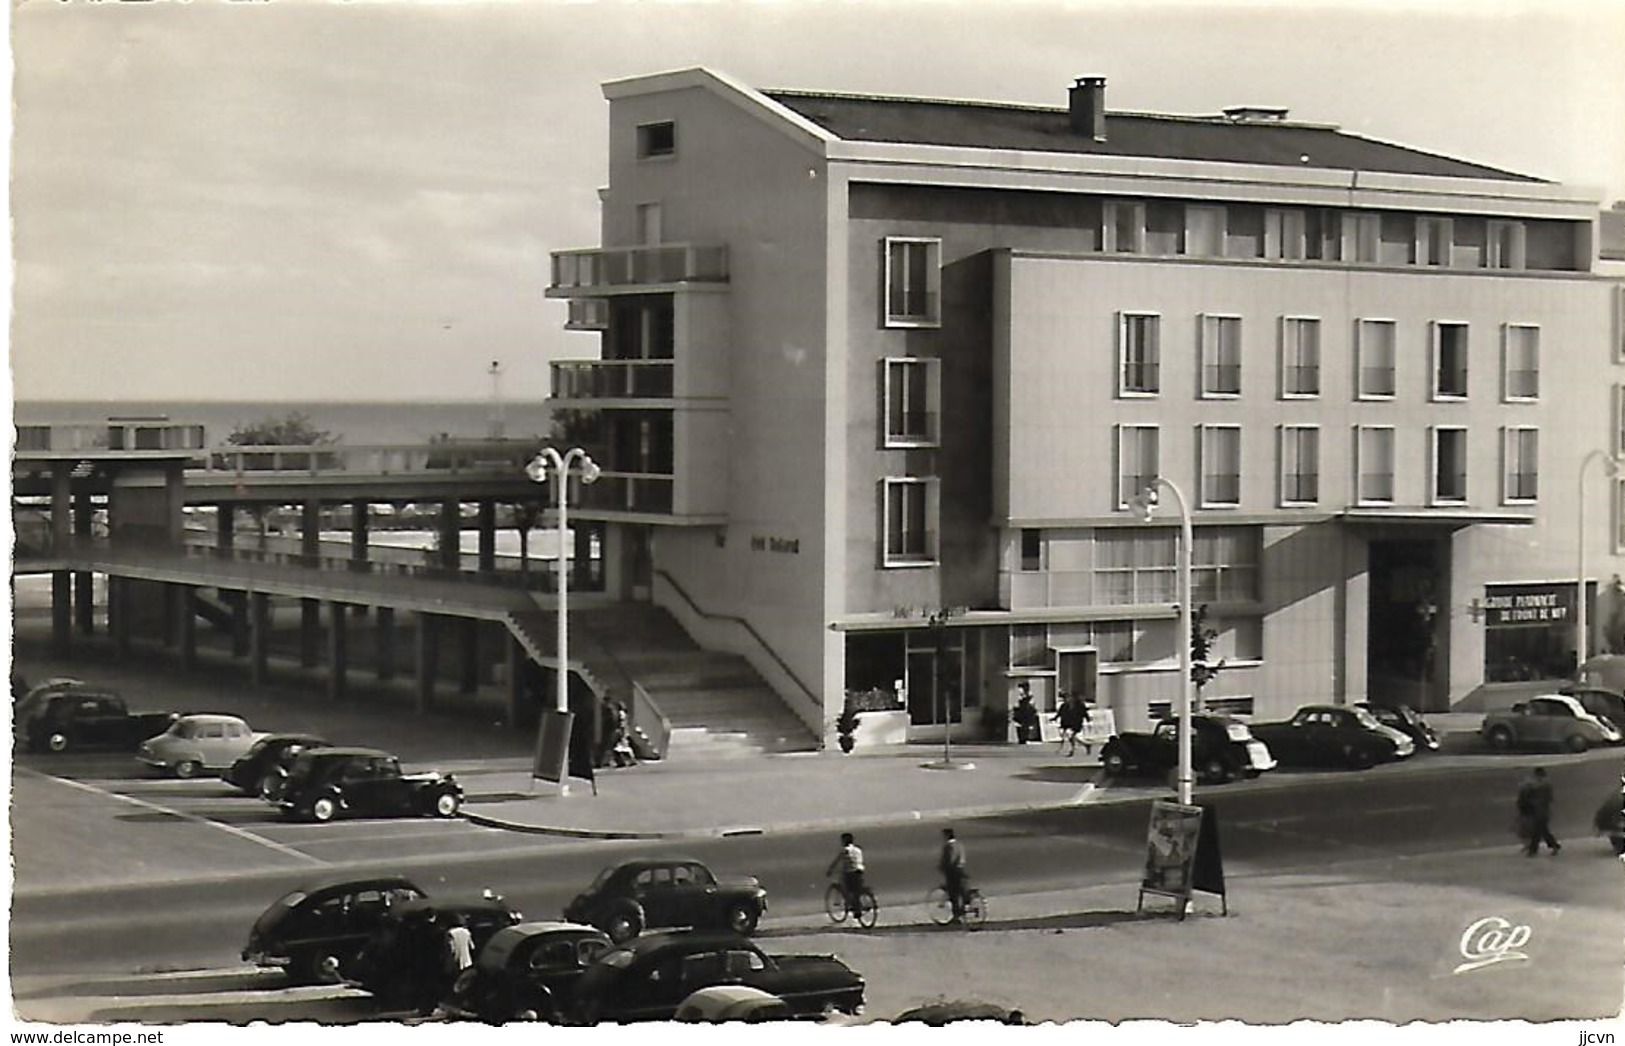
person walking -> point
(951, 863)
(848, 865)
(1071, 716)
(1535, 813)
(1025, 716)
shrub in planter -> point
(846, 724)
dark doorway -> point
(1402, 633)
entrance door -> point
(1405, 613)
(936, 686)
(1078, 672)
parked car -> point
(1407, 721)
(647, 979)
(262, 769)
(25, 703)
(627, 898)
(86, 717)
(938, 1014)
(325, 783)
(198, 742)
(1610, 819)
(1222, 749)
(1333, 735)
(314, 930)
(1600, 702)
(527, 971)
(1547, 721)
(724, 1003)
(403, 961)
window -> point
(1449, 460)
(1619, 324)
(657, 139)
(912, 393)
(1138, 354)
(1134, 566)
(1619, 516)
(1433, 239)
(1032, 549)
(1221, 357)
(1300, 357)
(1374, 465)
(1520, 363)
(1115, 641)
(1520, 465)
(1374, 346)
(1137, 463)
(1284, 235)
(913, 282)
(1204, 232)
(1221, 466)
(1122, 227)
(1029, 646)
(1362, 237)
(1504, 246)
(1224, 564)
(909, 508)
(1300, 465)
(1449, 361)
(1618, 450)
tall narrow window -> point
(1449, 361)
(1449, 464)
(1619, 517)
(1362, 237)
(1139, 354)
(1032, 549)
(1137, 463)
(1204, 231)
(1433, 241)
(1520, 472)
(1221, 466)
(1374, 464)
(912, 394)
(1504, 245)
(1221, 356)
(1619, 324)
(908, 510)
(1284, 235)
(1374, 345)
(913, 282)
(1300, 357)
(1300, 465)
(1619, 421)
(1520, 359)
(1122, 228)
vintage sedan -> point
(264, 767)
(725, 1003)
(1547, 721)
(648, 979)
(325, 783)
(1333, 735)
(196, 743)
(1609, 819)
(1222, 749)
(403, 962)
(315, 930)
(526, 972)
(1600, 702)
(628, 898)
(1407, 721)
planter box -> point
(881, 728)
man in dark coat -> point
(1535, 813)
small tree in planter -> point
(1202, 670)
(846, 725)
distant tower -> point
(498, 425)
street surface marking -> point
(183, 815)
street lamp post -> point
(539, 469)
(1144, 503)
(1610, 467)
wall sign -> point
(791, 546)
(1528, 606)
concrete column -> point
(84, 582)
(386, 643)
(450, 534)
(337, 656)
(514, 672)
(427, 661)
(310, 632)
(259, 632)
(61, 505)
(488, 535)
(359, 532)
(225, 528)
(61, 610)
(186, 623)
(468, 660)
(310, 532)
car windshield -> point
(602, 878)
(1365, 719)
(620, 958)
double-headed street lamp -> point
(550, 464)
(1611, 467)
(1143, 503)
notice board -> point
(1182, 854)
(552, 745)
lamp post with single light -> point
(550, 464)
(1611, 467)
(1143, 503)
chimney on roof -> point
(1086, 106)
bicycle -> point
(838, 906)
(941, 906)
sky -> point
(293, 200)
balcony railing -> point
(599, 269)
(587, 314)
(629, 492)
(613, 379)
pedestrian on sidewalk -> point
(1535, 813)
(621, 748)
(1072, 717)
(1025, 716)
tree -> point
(1202, 639)
(293, 429)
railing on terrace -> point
(452, 457)
(606, 267)
(629, 492)
(613, 379)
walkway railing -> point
(452, 457)
(647, 716)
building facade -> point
(881, 379)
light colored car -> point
(732, 1002)
(196, 743)
(1548, 721)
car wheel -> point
(1576, 743)
(188, 768)
(1500, 738)
(1215, 772)
(324, 809)
(1112, 763)
(317, 966)
(446, 804)
(624, 925)
(57, 742)
(271, 786)
(1358, 758)
(742, 919)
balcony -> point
(607, 270)
(587, 314)
(612, 379)
(629, 492)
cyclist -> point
(848, 864)
(951, 863)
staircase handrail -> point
(646, 714)
(815, 706)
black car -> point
(1600, 702)
(1222, 749)
(315, 930)
(325, 783)
(405, 960)
(264, 767)
(1332, 735)
(1407, 721)
(1610, 820)
(647, 979)
(83, 717)
(628, 898)
(527, 970)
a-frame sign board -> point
(1182, 855)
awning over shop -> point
(1434, 519)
